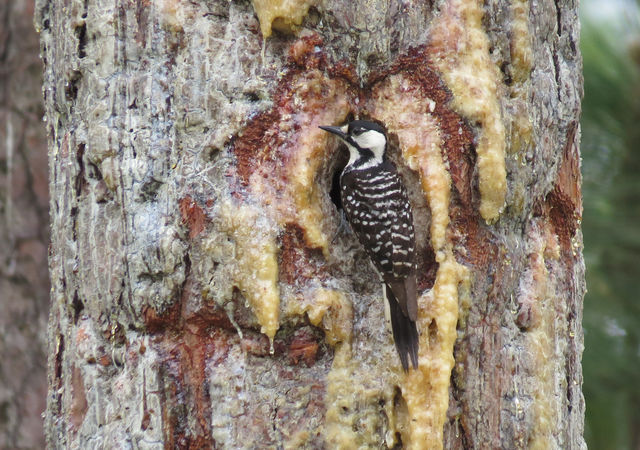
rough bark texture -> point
(24, 231)
(202, 292)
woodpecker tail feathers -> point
(405, 293)
(405, 332)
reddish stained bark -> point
(254, 137)
(306, 52)
(296, 261)
(185, 359)
(344, 71)
(569, 172)
(155, 321)
(303, 347)
(192, 216)
(178, 318)
(188, 342)
(79, 403)
(561, 210)
(262, 140)
(563, 204)
(178, 380)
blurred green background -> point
(611, 221)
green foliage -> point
(611, 225)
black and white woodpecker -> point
(376, 205)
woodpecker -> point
(377, 207)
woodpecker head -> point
(365, 140)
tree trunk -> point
(203, 294)
(24, 232)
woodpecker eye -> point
(358, 131)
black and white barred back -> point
(377, 206)
(378, 209)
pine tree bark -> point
(203, 294)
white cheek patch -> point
(372, 140)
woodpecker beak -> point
(341, 132)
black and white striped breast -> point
(377, 207)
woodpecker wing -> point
(378, 209)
